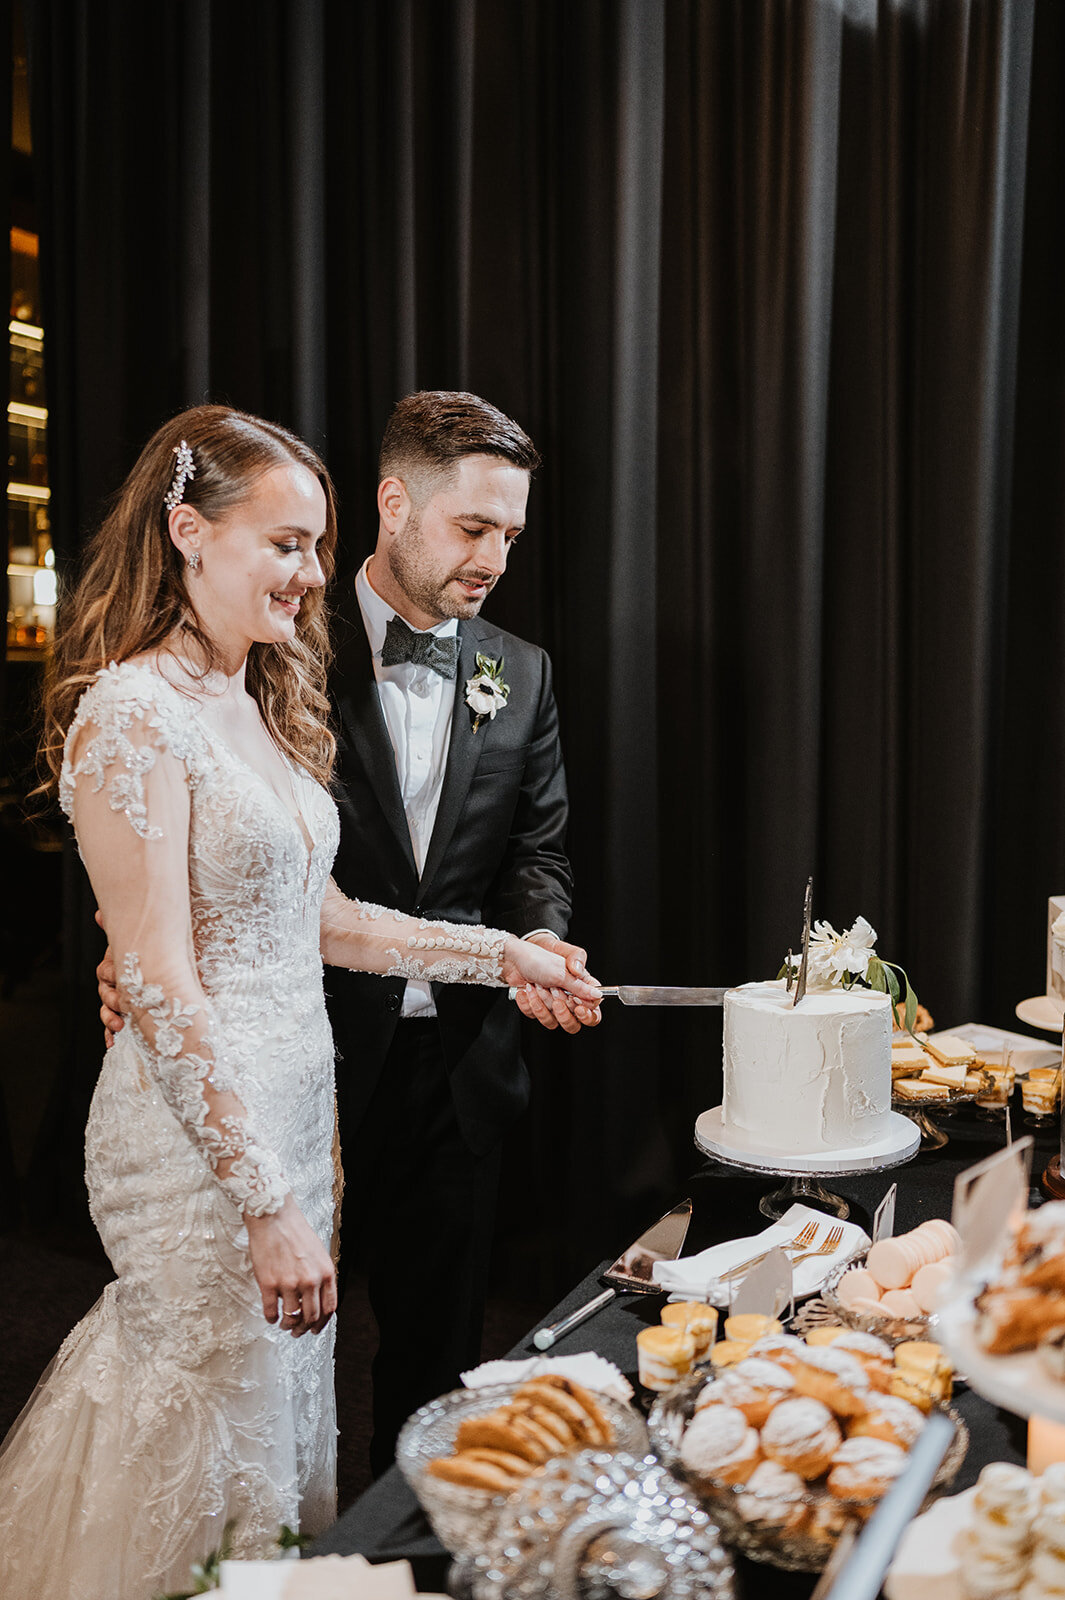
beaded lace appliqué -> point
(254, 1181)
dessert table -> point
(386, 1522)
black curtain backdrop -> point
(774, 285)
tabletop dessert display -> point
(788, 1443)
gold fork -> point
(799, 1242)
(831, 1244)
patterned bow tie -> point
(421, 649)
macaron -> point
(900, 1303)
(891, 1263)
(857, 1284)
(928, 1284)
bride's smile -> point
(256, 563)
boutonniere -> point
(486, 693)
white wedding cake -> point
(807, 1078)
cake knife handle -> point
(544, 1338)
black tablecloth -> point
(386, 1523)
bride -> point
(187, 735)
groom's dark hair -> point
(430, 431)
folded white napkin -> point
(700, 1277)
(319, 1578)
(593, 1371)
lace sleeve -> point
(371, 938)
(129, 767)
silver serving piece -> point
(598, 1526)
(807, 921)
(631, 1272)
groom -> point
(453, 804)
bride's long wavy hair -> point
(132, 597)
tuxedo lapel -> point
(360, 710)
(463, 751)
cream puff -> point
(889, 1417)
(864, 1469)
(754, 1386)
(801, 1435)
(774, 1498)
(720, 1443)
(876, 1356)
(835, 1378)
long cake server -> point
(631, 1272)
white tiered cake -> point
(807, 1078)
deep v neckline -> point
(218, 743)
(299, 822)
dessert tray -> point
(927, 1562)
(920, 1113)
(1019, 1382)
(462, 1517)
(796, 1533)
(893, 1330)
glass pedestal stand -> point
(898, 1145)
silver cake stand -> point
(898, 1145)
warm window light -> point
(44, 587)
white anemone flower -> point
(836, 956)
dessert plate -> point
(927, 1564)
(1019, 1382)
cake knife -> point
(648, 996)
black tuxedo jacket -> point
(496, 857)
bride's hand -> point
(525, 962)
(293, 1269)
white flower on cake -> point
(836, 957)
(1057, 929)
(849, 961)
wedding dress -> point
(174, 1408)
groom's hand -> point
(107, 988)
(550, 1007)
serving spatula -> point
(631, 1272)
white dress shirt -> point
(417, 704)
